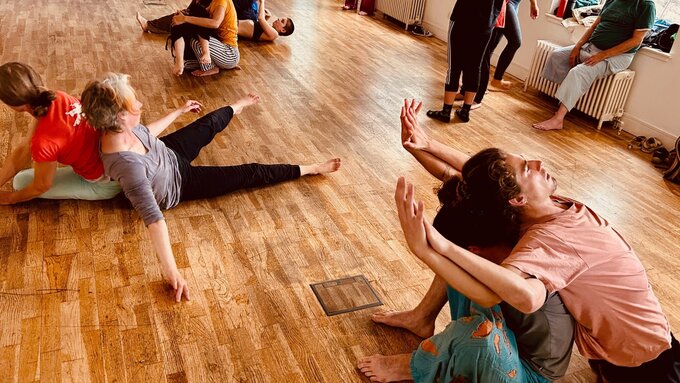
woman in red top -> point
(58, 136)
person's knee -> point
(22, 179)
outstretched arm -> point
(160, 238)
(157, 127)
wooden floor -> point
(81, 296)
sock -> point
(447, 108)
(467, 107)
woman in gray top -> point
(157, 173)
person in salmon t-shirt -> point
(59, 135)
(564, 247)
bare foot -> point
(250, 99)
(178, 68)
(380, 368)
(501, 85)
(321, 168)
(205, 58)
(142, 23)
(209, 72)
(409, 320)
(554, 123)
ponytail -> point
(21, 85)
(42, 102)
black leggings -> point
(211, 181)
(466, 51)
(513, 35)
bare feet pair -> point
(394, 368)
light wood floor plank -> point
(81, 294)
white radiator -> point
(407, 11)
(604, 100)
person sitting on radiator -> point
(607, 47)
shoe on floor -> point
(463, 114)
(438, 115)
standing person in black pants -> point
(157, 173)
(513, 34)
(472, 22)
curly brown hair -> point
(481, 194)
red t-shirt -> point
(64, 136)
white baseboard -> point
(438, 32)
(637, 127)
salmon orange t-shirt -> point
(63, 135)
(228, 30)
(601, 281)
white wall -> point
(653, 107)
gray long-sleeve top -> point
(150, 181)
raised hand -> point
(413, 137)
(411, 217)
(435, 239)
(191, 106)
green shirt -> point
(619, 19)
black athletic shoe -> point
(463, 114)
(439, 115)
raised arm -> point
(441, 161)
(269, 33)
(411, 218)
(157, 127)
(486, 282)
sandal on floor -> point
(666, 162)
(636, 143)
(673, 172)
(660, 155)
(651, 144)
